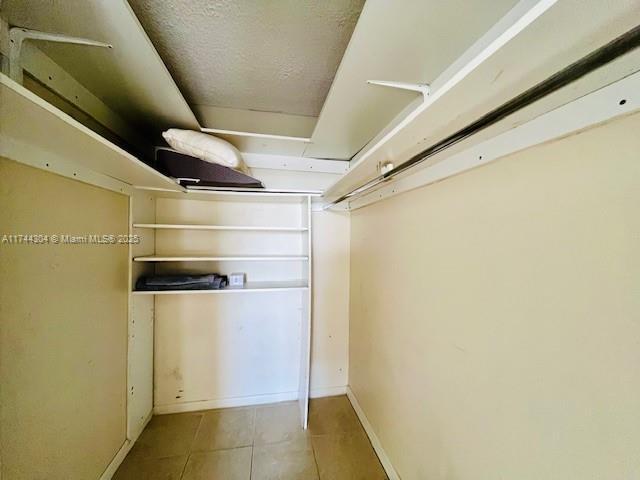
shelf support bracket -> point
(422, 88)
(17, 36)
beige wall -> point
(63, 324)
(330, 323)
(495, 316)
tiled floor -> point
(257, 443)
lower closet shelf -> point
(248, 287)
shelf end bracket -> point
(18, 35)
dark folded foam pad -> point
(190, 169)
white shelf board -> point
(167, 226)
(213, 258)
(33, 128)
(253, 191)
(234, 195)
(248, 287)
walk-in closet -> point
(335, 240)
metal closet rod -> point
(596, 59)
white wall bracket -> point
(422, 88)
(18, 35)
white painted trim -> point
(245, 401)
(289, 162)
(178, 258)
(225, 403)
(251, 228)
(33, 156)
(375, 441)
(130, 386)
(242, 120)
(117, 460)
(327, 391)
(111, 469)
(590, 110)
(254, 191)
(306, 330)
(246, 192)
(255, 135)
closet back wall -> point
(63, 328)
(495, 315)
(228, 349)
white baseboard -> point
(375, 441)
(224, 403)
(122, 453)
(327, 391)
(244, 401)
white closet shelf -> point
(236, 195)
(247, 288)
(208, 258)
(32, 128)
(167, 226)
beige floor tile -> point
(167, 436)
(233, 464)
(347, 456)
(133, 468)
(332, 415)
(227, 428)
(278, 423)
(284, 461)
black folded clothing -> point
(211, 281)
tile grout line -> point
(313, 448)
(253, 440)
(315, 460)
(184, 468)
(193, 441)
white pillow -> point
(205, 147)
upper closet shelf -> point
(207, 258)
(166, 226)
(39, 134)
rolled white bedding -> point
(206, 147)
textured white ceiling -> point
(266, 55)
